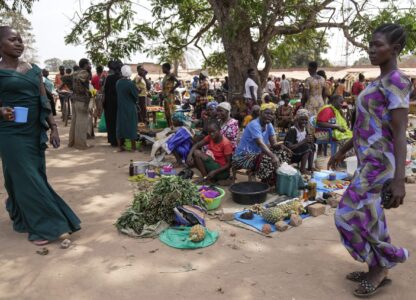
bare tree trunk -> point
(176, 67)
(239, 49)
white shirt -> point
(270, 86)
(250, 83)
(217, 85)
(285, 87)
(300, 135)
(211, 85)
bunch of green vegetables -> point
(150, 207)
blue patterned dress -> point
(360, 217)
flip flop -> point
(40, 242)
(356, 276)
(369, 289)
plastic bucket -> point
(20, 114)
(351, 164)
(140, 167)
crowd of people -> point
(377, 135)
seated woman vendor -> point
(301, 142)
(330, 116)
(215, 163)
(258, 149)
(284, 114)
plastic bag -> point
(286, 169)
(101, 125)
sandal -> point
(356, 276)
(368, 289)
(40, 242)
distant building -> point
(150, 67)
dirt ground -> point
(307, 262)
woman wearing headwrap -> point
(209, 115)
(301, 142)
(229, 126)
(80, 102)
(127, 94)
(258, 149)
(330, 116)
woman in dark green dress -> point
(33, 205)
(127, 95)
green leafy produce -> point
(157, 204)
(130, 220)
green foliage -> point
(69, 63)
(52, 64)
(216, 64)
(16, 20)
(299, 49)
(109, 31)
(365, 25)
(16, 5)
(285, 31)
(151, 207)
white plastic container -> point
(351, 164)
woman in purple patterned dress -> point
(380, 143)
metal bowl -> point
(249, 192)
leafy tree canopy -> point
(52, 64)
(69, 63)
(248, 30)
(16, 5)
(109, 30)
(299, 49)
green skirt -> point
(212, 165)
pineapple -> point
(197, 233)
(273, 215)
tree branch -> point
(198, 36)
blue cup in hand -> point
(20, 114)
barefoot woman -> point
(380, 143)
(33, 205)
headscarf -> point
(179, 117)
(126, 71)
(269, 105)
(302, 113)
(225, 105)
(212, 104)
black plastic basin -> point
(249, 192)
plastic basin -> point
(249, 192)
(215, 202)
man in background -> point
(285, 87)
(144, 86)
(49, 90)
